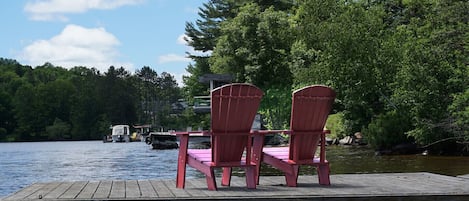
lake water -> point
(25, 163)
(22, 164)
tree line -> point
(52, 103)
(400, 67)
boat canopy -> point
(120, 130)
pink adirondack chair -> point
(233, 108)
(310, 109)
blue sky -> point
(98, 33)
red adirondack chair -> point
(233, 108)
(310, 109)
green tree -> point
(254, 47)
(59, 130)
(204, 33)
(434, 67)
(5, 115)
(311, 24)
(86, 107)
(276, 108)
(193, 87)
(202, 37)
(147, 84)
(25, 111)
(53, 103)
(460, 116)
(118, 95)
(169, 95)
(341, 45)
(10, 81)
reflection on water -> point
(22, 164)
(349, 160)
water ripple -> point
(23, 164)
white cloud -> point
(172, 58)
(193, 10)
(182, 39)
(76, 46)
(45, 10)
(178, 78)
(168, 58)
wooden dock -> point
(382, 187)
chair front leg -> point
(292, 177)
(226, 176)
(210, 178)
(256, 158)
(323, 174)
(251, 177)
(182, 160)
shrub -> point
(387, 130)
(335, 123)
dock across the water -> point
(382, 187)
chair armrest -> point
(265, 132)
(258, 143)
(191, 133)
(180, 133)
(184, 139)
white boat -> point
(120, 133)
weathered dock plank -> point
(74, 190)
(28, 191)
(170, 188)
(117, 189)
(132, 189)
(146, 189)
(161, 189)
(390, 186)
(196, 189)
(47, 187)
(103, 190)
(57, 192)
(88, 191)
